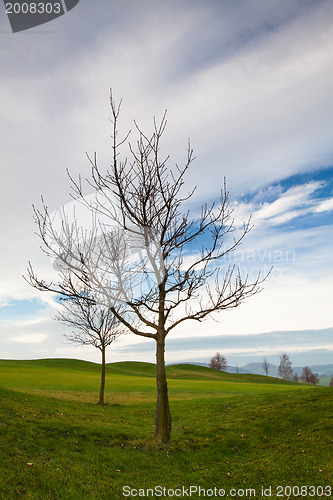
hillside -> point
(26, 373)
(127, 381)
(228, 431)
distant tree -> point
(93, 324)
(331, 383)
(305, 375)
(237, 369)
(313, 379)
(285, 370)
(295, 377)
(218, 362)
(265, 366)
(308, 376)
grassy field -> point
(325, 380)
(231, 431)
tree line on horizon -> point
(285, 371)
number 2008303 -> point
(33, 8)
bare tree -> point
(314, 379)
(218, 362)
(285, 370)
(308, 376)
(93, 324)
(265, 365)
(331, 383)
(295, 377)
(305, 375)
(158, 277)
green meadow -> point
(242, 434)
(325, 380)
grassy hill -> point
(229, 431)
(79, 380)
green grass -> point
(229, 431)
(325, 380)
(74, 379)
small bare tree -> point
(265, 365)
(308, 376)
(285, 370)
(314, 379)
(93, 324)
(218, 362)
(305, 375)
(140, 249)
(331, 383)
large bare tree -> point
(92, 324)
(146, 250)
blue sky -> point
(252, 90)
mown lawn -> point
(227, 432)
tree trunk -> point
(162, 423)
(101, 392)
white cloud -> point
(293, 203)
(190, 259)
(325, 206)
(294, 197)
(35, 338)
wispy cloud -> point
(297, 201)
(325, 206)
(295, 197)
